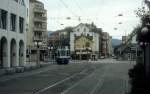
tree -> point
(144, 15)
(139, 82)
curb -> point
(11, 71)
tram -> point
(62, 56)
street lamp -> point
(81, 49)
(38, 44)
(144, 44)
(144, 30)
(50, 51)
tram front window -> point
(63, 53)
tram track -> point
(62, 85)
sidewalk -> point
(31, 68)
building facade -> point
(13, 14)
(110, 48)
(37, 31)
(84, 42)
(105, 44)
(130, 49)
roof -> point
(92, 27)
(90, 38)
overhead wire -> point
(73, 13)
(82, 11)
(67, 7)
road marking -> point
(71, 87)
(64, 92)
(99, 84)
(46, 88)
(57, 83)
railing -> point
(40, 19)
(38, 38)
(39, 10)
(39, 29)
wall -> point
(13, 7)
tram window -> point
(68, 53)
(63, 53)
(58, 53)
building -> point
(106, 40)
(37, 33)
(110, 48)
(100, 41)
(84, 42)
(59, 39)
(130, 49)
(53, 42)
(124, 39)
(13, 14)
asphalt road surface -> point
(100, 77)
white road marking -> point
(99, 84)
(71, 87)
(46, 88)
(67, 90)
(57, 83)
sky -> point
(103, 13)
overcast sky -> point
(104, 13)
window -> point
(27, 12)
(22, 2)
(3, 19)
(21, 24)
(84, 29)
(13, 22)
(16, 0)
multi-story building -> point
(84, 42)
(37, 30)
(110, 48)
(106, 44)
(13, 14)
(130, 49)
(100, 41)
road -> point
(100, 77)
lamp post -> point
(50, 51)
(144, 44)
(38, 44)
(81, 53)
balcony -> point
(40, 19)
(39, 29)
(37, 38)
(39, 10)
